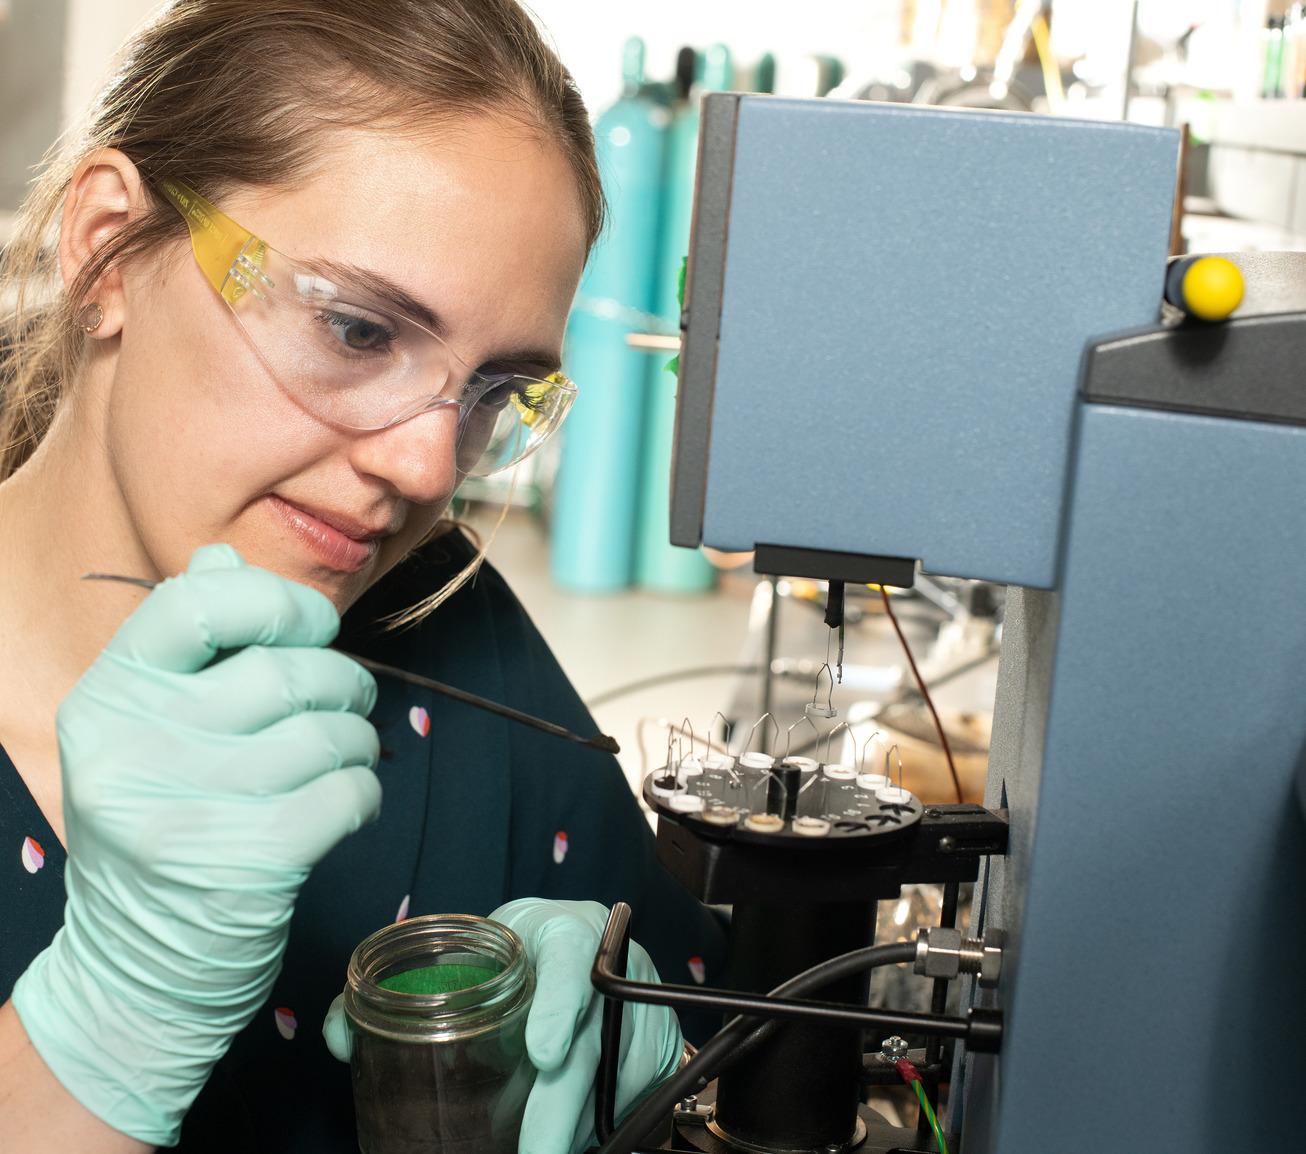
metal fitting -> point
(991, 965)
(945, 953)
(894, 1048)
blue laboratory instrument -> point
(932, 337)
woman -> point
(276, 423)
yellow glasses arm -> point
(220, 245)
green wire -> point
(929, 1113)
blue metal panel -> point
(907, 295)
(1157, 1001)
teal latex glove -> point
(563, 1029)
(196, 798)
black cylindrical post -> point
(800, 1089)
(782, 790)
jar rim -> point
(406, 1016)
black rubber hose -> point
(739, 1036)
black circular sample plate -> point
(795, 802)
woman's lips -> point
(346, 552)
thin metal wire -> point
(761, 783)
(725, 729)
(876, 738)
(771, 775)
(829, 742)
(761, 720)
(789, 733)
(693, 737)
(893, 749)
(814, 707)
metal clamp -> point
(946, 953)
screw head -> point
(688, 1103)
(947, 844)
(894, 1048)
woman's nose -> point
(417, 457)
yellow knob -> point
(1212, 288)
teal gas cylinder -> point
(595, 498)
(659, 565)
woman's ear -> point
(104, 194)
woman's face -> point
(480, 225)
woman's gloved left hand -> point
(563, 1029)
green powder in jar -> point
(437, 979)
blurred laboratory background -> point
(671, 645)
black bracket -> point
(829, 565)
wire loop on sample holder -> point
(789, 734)
(814, 708)
(748, 741)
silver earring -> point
(90, 318)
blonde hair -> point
(227, 93)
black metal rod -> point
(141, 582)
(610, 984)
(605, 1086)
(600, 741)
(768, 665)
(939, 1003)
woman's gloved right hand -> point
(197, 796)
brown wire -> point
(925, 693)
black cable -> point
(667, 678)
(741, 1035)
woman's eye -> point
(359, 332)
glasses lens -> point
(347, 357)
(350, 360)
(510, 420)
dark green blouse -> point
(476, 811)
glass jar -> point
(437, 1013)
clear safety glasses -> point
(343, 354)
